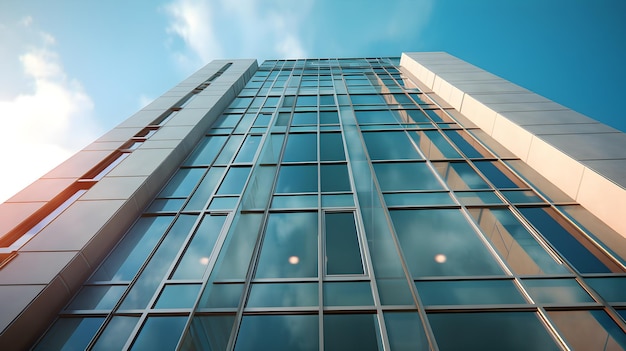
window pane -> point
(205, 189)
(351, 332)
(469, 292)
(301, 148)
(406, 176)
(460, 176)
(335, 178)
(234, 180)
(178, 296)
(97, 297)
(290, 246)
(566, 291)
(70, 334)
(183, 182)
(467, 144)
(441, 243)
(434, 145)
(294, 201)
(331, 147)
(160, 333)
(116, 333)
(478, 198)
(209, 333)
(338, 200)
(236, 252)
(166, 205)
(278, 332)
(329, 117)
(221, 296)
(348, 294)
(588, 330)
(304, 118)
(283, 295)
(514, 243)
(405, 331)
(498, 175)
(394, 291)
(378, 117)
(522, 197)
(367, 99)
(418, 199)
(306, 100)
(229, 150)
(196, 258)
(378, 146)
(343, 255)
(133, 250)
(611, 289)
(297, 179)
(248, 149)
(205, 152)
(490, 331)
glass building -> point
(414, 203)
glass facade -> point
(336, 205)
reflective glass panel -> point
(588, 330)
(223, 203)
(405, 331)
(278, 332)
(209, 333)
(205, 189)
(418, 199)
(378, 146)
(566, 291)
(329, 117)
(338, 200)
(301, 148)
(441, 243)
(343, 255)
(178, 296)
(406, 176)
(290, 246)
(331, 147)
(351, 332)
(304, 118)
(378, 117)
(478, 198)
(116, 333)
(469, 292)
(470, 147)
(207, 149)
(460, 176)
(234, 180)
(434, 145)
(166, 205)
(160, 333)
(297, 179)
(70, 334)
(196, 257)
(490, 331)
(611, 289)
(221, 296)
(498, 175)
(348, 294)
(232, 145)
(294, 201)
(183, 182)
(97, 297)
(283, 295)
(248, 149)
(334, 177)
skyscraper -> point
(375, 203)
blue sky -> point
(70, 70)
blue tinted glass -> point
(160, 333)
(611, 289)
(476, 198)
(351, 332)
(306, 100)
(116, 333)
(406, 176)
(566, 291)
(331, 147)
(553, 229)
(522, 197)
(290, 246)
(434, 145)
(223, 203)
(394, 291)
(97, 297)
(183, 182)
(195, 260)
(209, 333)
(378, 146)
(205, 189)
(329, 117)
(467, 144)
(234, 180)
(205, 152)
(236, 251)
(178, 296)
(248, 149)
(297, 179)
(588, 330)
(490, 331)
(469, 292)
(338, 200)
(283, 295)
(166, 205)
(418, 199)
(370, 99)
(384, 116)
(70, 334)
(343, 254)
(278, 332)
(460, 176)
(304, 118)
(301, 148)
(221, 296)
(348, 294)
(497, 175)
(441, 243)
(334, 177)
(405, 331)
(294, 201)
(229, 150)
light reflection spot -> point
(440, 258)
(204, 261)
(294, 259)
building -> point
(373, 203)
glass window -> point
(611, 289)
(229, 150)
(271, 151)
(566, 291)
(306, 100)
(337, 200)
(329, 117)
(326, 100)
(248, 149)
(223, 203)
(294, 201)
(297, 179)
(183, 182)
(70, 334)
(521, 196)
(468, 145)
(351, 332)
(236, 252)
(221, 296)
(205, 189)
(469, 292)
(434, 145)
(394, 291)
(331, 147)
(490, 331)
(301, 147)
(240, 103)
(304, 118)
(578, 250)
(195, 260)
(343, 254)
(97, 297)
(418, 199)
(283, 295)
(367, 99)
(160, 333)
(278, 332)
(441, 243)
(209, 332)
(588, 330)
(406, 176)
(348, 294)
(334, 177)
(166, 205)
(234, 181)
(178, 296)
(498, 175)
(124, 262)
(116, 333)
(460, 176)
(411, 116)
(207, 149)
(289, 246)
(478, 198)
(378, 146)
(405, 331)
(378, 117)
(518, 247)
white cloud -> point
(237, 28)
(45, 125)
